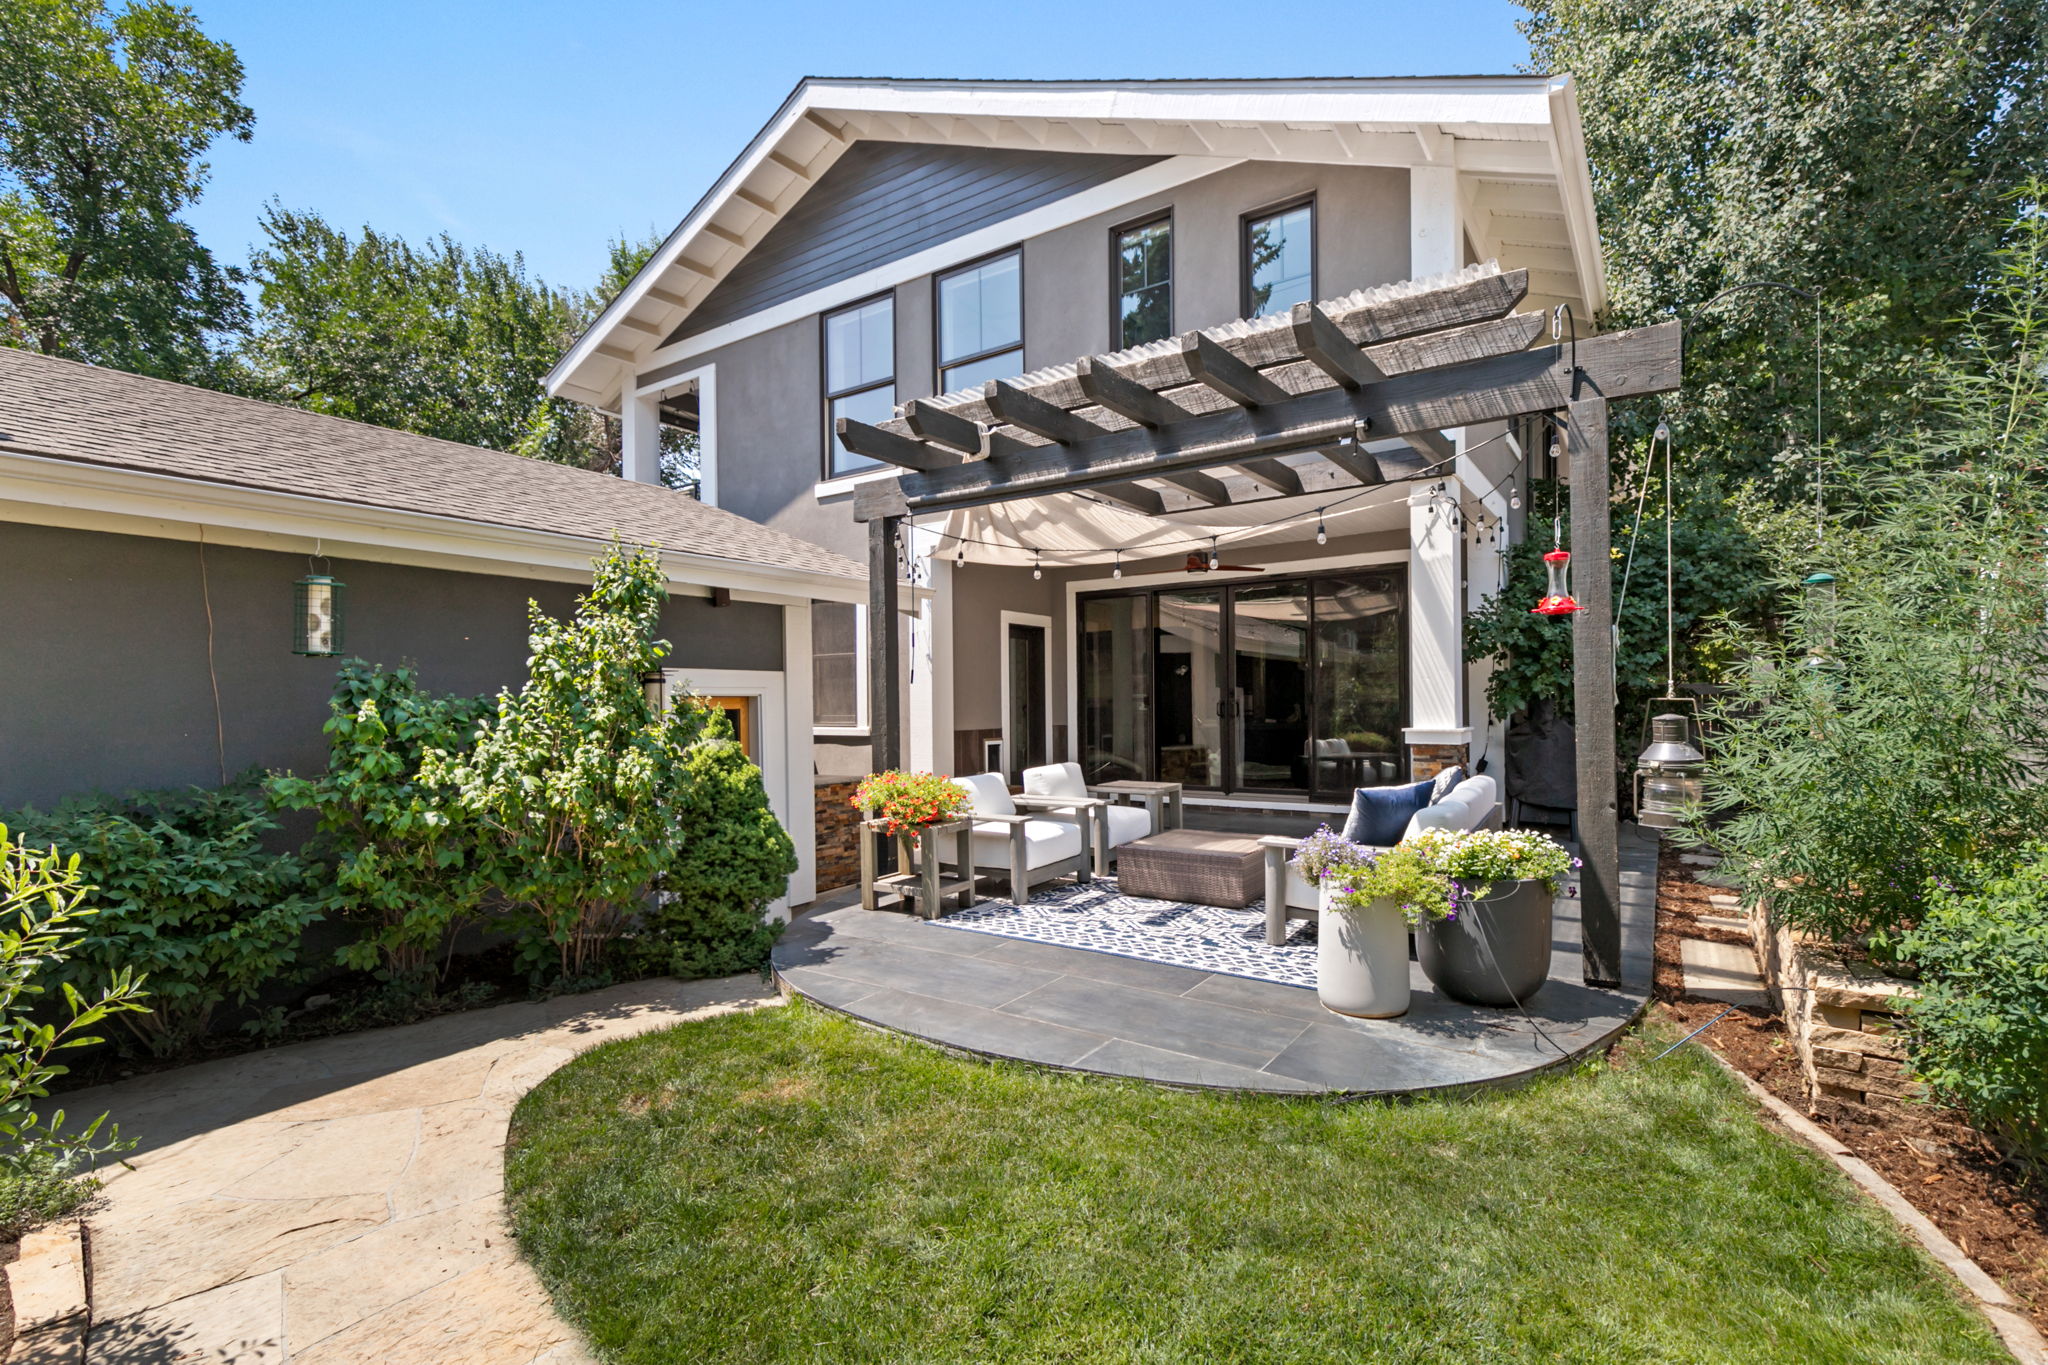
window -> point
(1279, 260)
(860, 375)
(981, 322)
(1143, 266)
(835, 666)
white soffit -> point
(1515, 141)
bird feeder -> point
(318, 616)
(1668, 773)
(1558, 599)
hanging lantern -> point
(654, 686)
(317, 613)
(1557, 600)
(1668, 781)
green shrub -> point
(1978, 1036)
(734, 859)
(42, 916)
(406, 861)
(185, 894)
(577, 783)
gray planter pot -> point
(1496, 952)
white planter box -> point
(1362, 959)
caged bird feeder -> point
(317, 615)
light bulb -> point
(1035, 572)
(1118, 571)
(1515, 501)
(1322, 533)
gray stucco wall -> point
(104, 683)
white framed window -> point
(839, 672)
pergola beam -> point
(1271, 474)
(1103, 386)
(1329, 350)
(888, 447)
(1027, 412)
(1213, 367)
(1202, 487)
(929, 422)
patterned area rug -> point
(1100, 919)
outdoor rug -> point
(1100, 919)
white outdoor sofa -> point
(1472, 804)
(1028, 849)
(1059, 790)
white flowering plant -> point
(1477, 859)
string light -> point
(960, 555)
(1036, 572)
(1215, 560)
(1118, 571)
(1322, 532)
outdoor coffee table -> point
(1198, 866)
(1162, 800)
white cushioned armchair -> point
(1472, 804)
(1027, 849)
(1059, 789)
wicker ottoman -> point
(1193, 865)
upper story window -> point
(1143, 261)
(981, 322)
(860, 375)
(1279, 259)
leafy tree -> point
(1862, 150)
(1895, 732)
(735, 858)
(407, 865)
(441, 340)
(103, 119)
(578, 784)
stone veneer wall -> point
(1842, 1014)
(1427, 760)
(838, 834)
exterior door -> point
(1024, 726)
(1189, 707)
(1269, 634)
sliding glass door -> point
(1290, 686)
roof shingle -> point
(98, 416)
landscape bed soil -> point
(1996, 1211)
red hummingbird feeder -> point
(1559, 600)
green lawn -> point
(787, 1186)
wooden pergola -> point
(1321, 380)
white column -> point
(799, 818)
(640, 436)
(1436, 241)
(707, 434)
(930, 740)
(1436, 619)
(1487, 473)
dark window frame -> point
(1244, 245)
(939, 362)
(1116, 274)
(825, 375)
(1229, 783)
(859, 724)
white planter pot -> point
(1362, 959)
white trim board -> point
(1075, 208)
(785, 754)
(48, 491)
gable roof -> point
(85, 414)
(1514, 140)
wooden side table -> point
(1162, 800)
(918, 880)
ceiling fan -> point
(1199, 563)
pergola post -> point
(1593, 693)
(885, 648)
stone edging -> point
(1999, 1308)
(48, 1280)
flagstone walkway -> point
(342, 1200)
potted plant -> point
(1367, 899)
(907, 802)
(1493, 948)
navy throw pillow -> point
(1380, 815)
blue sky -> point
(549, 127)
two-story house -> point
(882, 241)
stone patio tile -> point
(1266, 996)
(460, 1158)
(966, 980)
(834, 992)
(1220, 1033)
(1121, 1057)
(329, 1158)
(235, 1324)
(146, 1258)
(1330, 1057)
(47, 1279)
(195, 1168)
(980, 1030)
(384, 1267)
(491, 1315)
(1163, 977)
(459, 1076)
(515, 1073)
(1722, 971)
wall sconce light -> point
(654, 686)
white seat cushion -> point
(1127, 824)
(1055, 779)
(991, 795)
(1045, 841)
